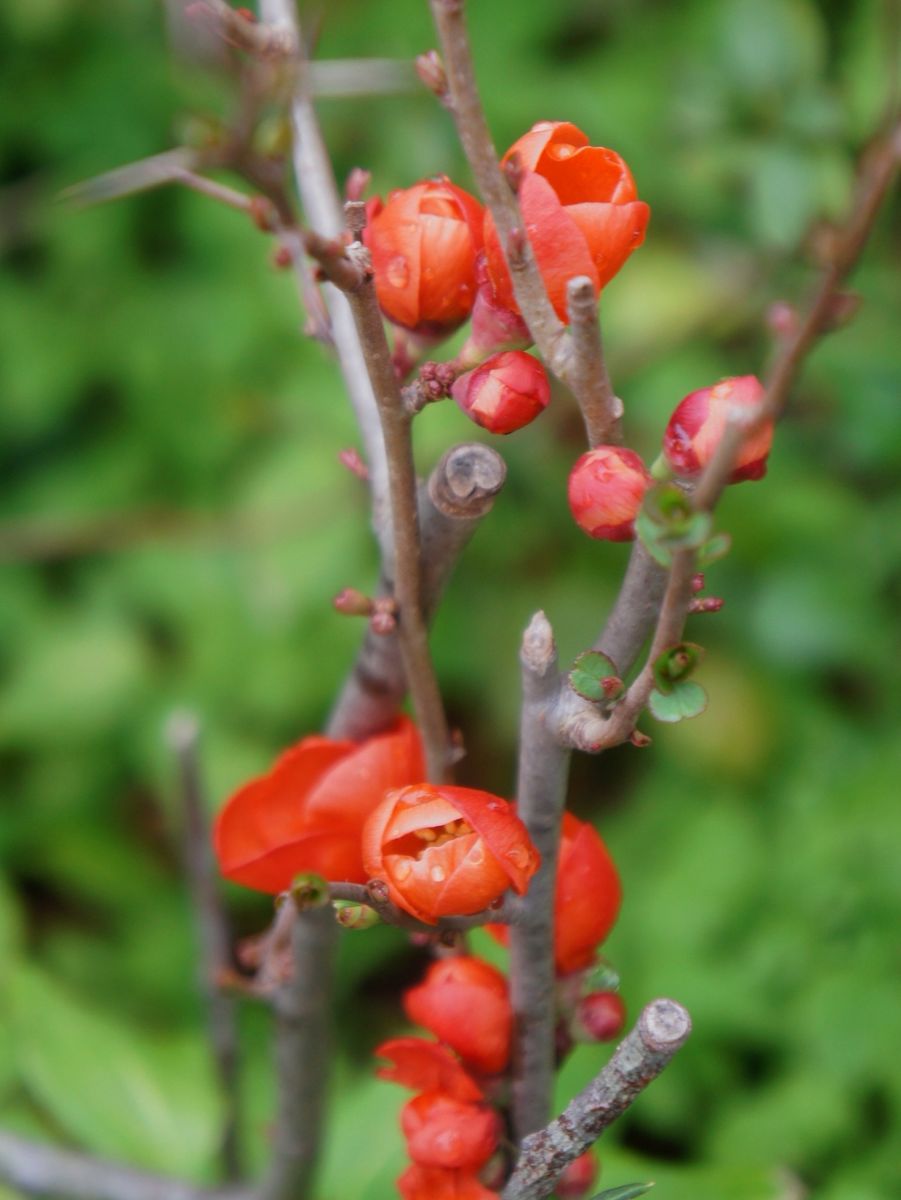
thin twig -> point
(370, 894)
(459, 494)
(402, 491)
(475, 136)
(540, 798)
(662, 1029)
(303, 1019)
(876, 175)
(215, 190)
(274, 39)
(602, 410)
(37, 1169)
(182, 734)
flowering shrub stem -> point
(601, 409)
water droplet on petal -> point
(477, 854)
(437, 875)
(403, 869)
(398, 271)
(494, 805)
(519, 856)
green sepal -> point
(686, 699)
(675, 664)
(594, 677)
(667, 522)
(627, 1192)
(309, 890)
(715, 548)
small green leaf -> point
(675, 664)
(687, 699)
(651, 536)
(717, 547)
(627, 1192)
(594, 677)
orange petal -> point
(330, 855)
(532, 145)
(612, 232)
(593, 174)
(425, 1066)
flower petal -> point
(612, 232)
(425, 1066)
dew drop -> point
(519, 856)
(437, 875)
(398, 272)
(403, 869)
(494, 805)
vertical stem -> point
(541, 795)
(182, 733)
(601, 408)
(402, 492)
(302, 1014)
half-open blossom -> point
(424, 242)
(586, 900)
(307, 812)
(426, 1067)
(444, 1132)
(606, 489)
(580, 208)
(436, 1183)
(699, 421)
(505, 393)
(464, 1002)
(447, 850)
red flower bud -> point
(424, 243)
(426, 1067)
(444, 1132)
(464, 1002)
(599, 1017)
(580, 207)
(697, 425)
(435, 1183)
(606, 489)
(447, 850)
(307, 812)
(578, 1177)
(506, 392)
(586, 900)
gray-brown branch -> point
(37, 1169)
(460, 492)
(662, 1029)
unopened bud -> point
(352, 603)
(356, 916)
(578, 1178)
(697, 582)
(378, 890)
(350, 458)
(430, 70)
(282, 258)
(262, 213)
(383, 623)
(599, 1017)
(706, 604)
(356, 183)
(698, 423)
(639, 739)
(309, 890)
(782, 319)
(606, 489)
(505, 393)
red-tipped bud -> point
(578, 1177)
(606, 488)
(505, 393)
(599, 1017)
(282, 258)
(430, 70)
(706, 604)
(247, 15)
(352, 603)
(356, 183)
(262, 213)
(444, 1132)
(698, 423)
(383, 622)
(351, 459)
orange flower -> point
(307, 812)
(464, 1002)
(586, 899)
(426, 1067)
(505, 393)
(699, 421)
(580, 209)
(449, 1133)
(436, 1183)
(424, 243)
(447, 851)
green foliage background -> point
(169, 460)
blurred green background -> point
(169, 448)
